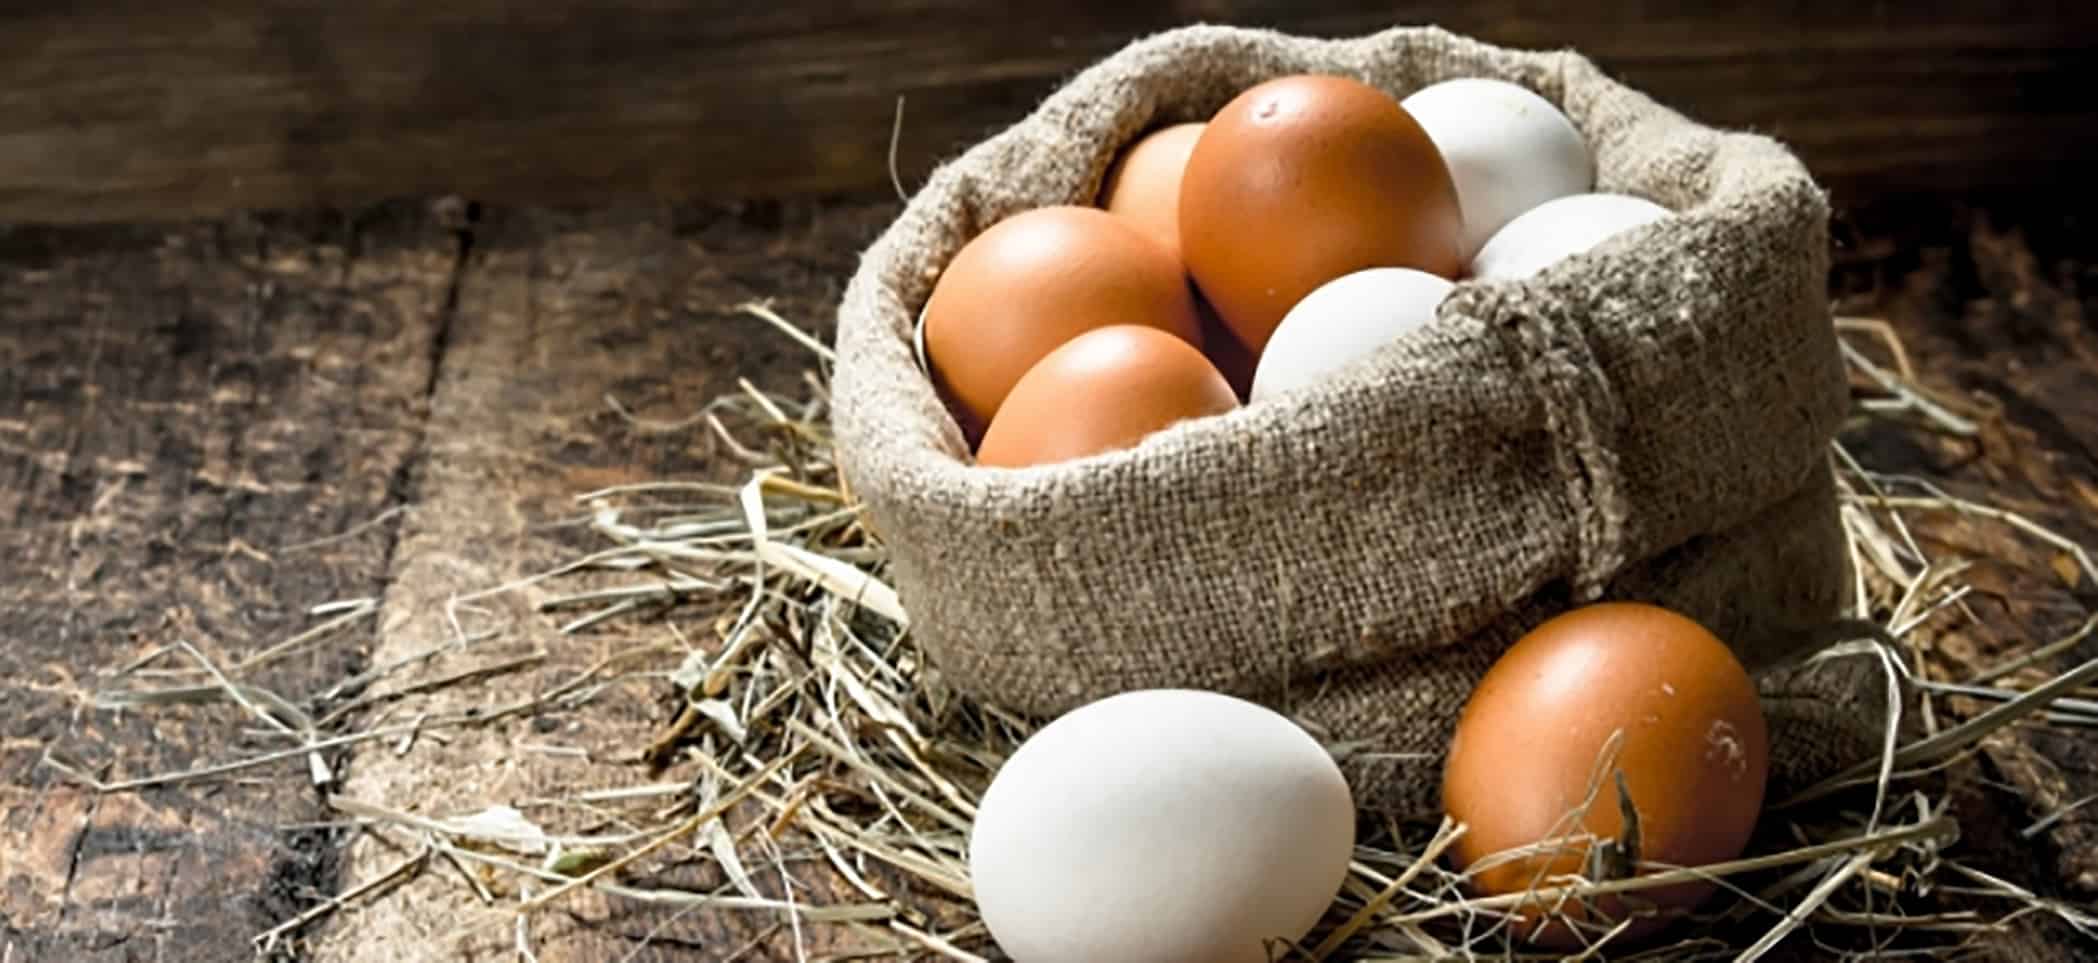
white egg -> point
(1559, 229)
(1507, 148)
(918, 344)
(1164, 825)
(1342, 320)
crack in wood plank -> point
(555, 312)
(170, 410)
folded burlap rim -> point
(1540, 439)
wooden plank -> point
(145, 111)
(183, 413)
(555, 315)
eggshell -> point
(1106, 389)
(1302, 179)
(1508, 149)
(1167, 826)
(1694, 756)
(1345, 319)
(918, 344)
(1033, 282)
(1143, 186)
(1560, 228)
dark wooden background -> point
(138, 109)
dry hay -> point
(820, 738)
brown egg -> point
(1302, 179)
(1104, 390)
(1694, 756)
(1144, 187)
(1033, 282)
(1144, 183)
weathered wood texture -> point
(554, 312)
(146, 110)
(180, 409)
(555, 316)
(182, 415)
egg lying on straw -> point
(1610, 740)
(1166, 826)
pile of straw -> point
(819, 741)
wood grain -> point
(148, 111)
(175, 403)
(555, 315)
(184, 414)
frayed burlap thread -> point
(1650, 419)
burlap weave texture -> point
(1647, 420)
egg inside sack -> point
(1302, 179)
(1167, 826)
(1143, 185)
(1031, 283)
(1344, 320)
(1558, 229)
(1609, 695)
(1508, 149)
(1106, 389)
(1308, 224)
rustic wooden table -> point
(208, 429)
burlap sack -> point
(1648, 420)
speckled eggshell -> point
(1302, 179)
(1695, 751)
